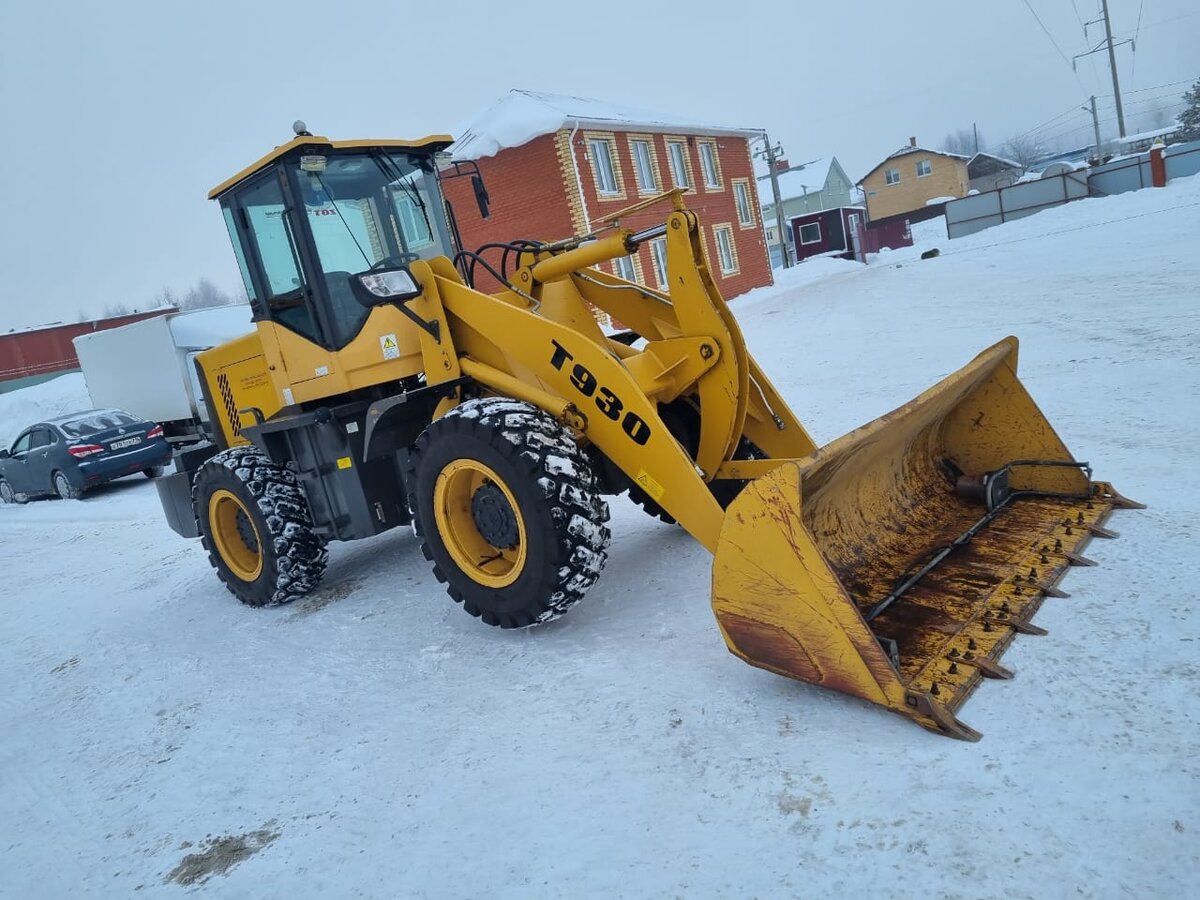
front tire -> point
(508, 510)
(255, 524)
(8, 495)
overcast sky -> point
(120, 116)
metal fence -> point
(979, 211)
(1133, 173)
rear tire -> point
(508, 510)
(153, 471)
(256, 526)
(64, 488)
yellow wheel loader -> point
(380, 388)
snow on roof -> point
(520, 116)
(797, 181)
(1000, 159)
(905, 151)
(1148, 135)
(909, 148)
(47, 325)
(209, 327)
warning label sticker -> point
(390, 348)
(649, 485)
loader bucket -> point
(898, 562)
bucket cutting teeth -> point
(880, 566)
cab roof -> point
(431, 143)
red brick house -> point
(554, 165)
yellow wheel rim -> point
(453, 495)
(238, 541)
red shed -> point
(30, 355)
(827, 231)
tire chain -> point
(573, 486)
(300, 554)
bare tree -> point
(166, 297)
(963, 142)
(116, 309)
(1023, 149)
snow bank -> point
(48, 400)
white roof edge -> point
(521, 116)
(658, 127)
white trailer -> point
(146, 368)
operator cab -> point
(323, 230)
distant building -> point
(32, 355)
(910, 178)
(827, 232)
(555, 165)
(809, 187)
(987, 172)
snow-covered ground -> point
(373, 740)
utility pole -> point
(1095, 124)
(1111, 45)
(1112, 65)
(771, 154)
(975, 126)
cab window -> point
(367, 210)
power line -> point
(1073, 110)
(1133, 44)
(1047, 32)
(1083, 28)
(1157, 86)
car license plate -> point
(122, 444)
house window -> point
(709, 166)
(726, 252)
(605, 172)
(741, 197)
(623, 267)
(892, 176)
(810, 233)
(677, 155)
(658, 253)
(924, 168)
(770, 235)
(643, 165)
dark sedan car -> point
(68, 455)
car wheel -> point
(153, 471)
(63, 487)
(8, 495)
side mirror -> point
(4, 454)
(481, 195)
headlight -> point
(396, 283)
